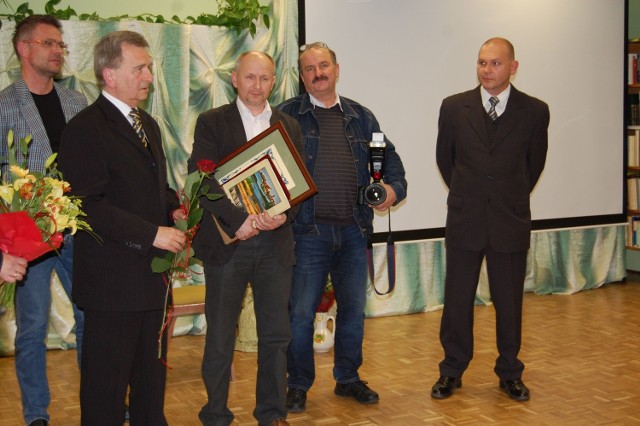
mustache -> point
(320, 78)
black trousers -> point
(120, 350)
(254, 261)
(506, 273)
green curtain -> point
(192, 73)
(559, 262)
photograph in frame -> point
(276, 144)
(258, 189)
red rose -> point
(206, 166)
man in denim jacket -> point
(331, 228)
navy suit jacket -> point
(126, 197)
(490, 181)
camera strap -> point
(391, 261)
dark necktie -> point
(492, 110)
(137, 126)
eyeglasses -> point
(49, 44)
(316, 45)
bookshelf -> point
(633, 147)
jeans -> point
(33, 300)
(341, 252)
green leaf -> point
(181, 224)
(162, 264)
(195, 217)
(24, 146)
(10, 138)
(237, 15)
(212, 197)
(204, 189)
(50, 160)
(190, 183)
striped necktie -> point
(492, 110)
(137, 126)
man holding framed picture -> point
(263, 256)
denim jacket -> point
(359, 125)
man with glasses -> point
(35, 105)
(331, 228)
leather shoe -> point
(39, 422)
(279, 422)
(515, 389)
(445, 386)
(358, 390)
(296, 400)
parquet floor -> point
(582, 354)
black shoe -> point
(358, 390)
(445, 386)
(515, 389)
(39, 422)
(296, 400)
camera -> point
(374, 193)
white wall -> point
(401, 58)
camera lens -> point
(375, 194)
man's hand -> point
(391, 198)
(13, 268)
(266, 223)
(178, 214)
(248, 230)
(170, 239)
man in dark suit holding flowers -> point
(112, 156)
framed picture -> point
(276, 144)
(258, 189)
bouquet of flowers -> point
(178, 265)
(35, 209)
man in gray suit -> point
(491, 150)
(35, 105)
(263, 256)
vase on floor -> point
(322, 335)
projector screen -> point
(401, 58)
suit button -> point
(490, 177)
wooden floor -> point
(582, 354)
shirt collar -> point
(122, 107)
(246, 113)
(503, 97)
(316, 103)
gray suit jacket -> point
(18, 112)
(218, 133)
(490, 181)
